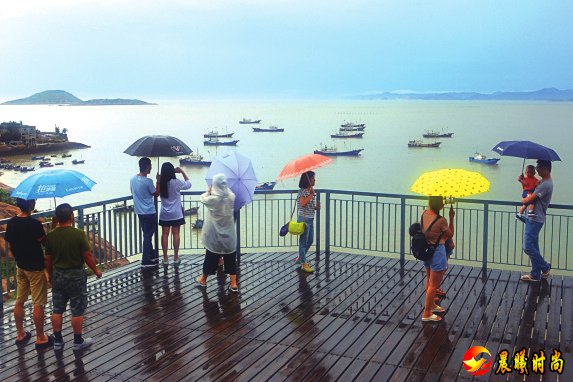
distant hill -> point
(547, 94)
(60, 97)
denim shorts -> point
(438, 262)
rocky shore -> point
(6, 151)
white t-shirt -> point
(171, 208)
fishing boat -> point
(191, 211)
(78, 161)
(217, 142)
(420, 143)
(194, 160)
(46, 164)
(59, 163)
(26, 168)
(481, 158)
(437, 134)
(265, 186)
(270, 129)
(353, 125)
(38, 158)
(333, 151)
(352, 128)
(347, 134)
(249, 121)
(216, 134)
(66, 155)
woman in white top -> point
(171, 214)
(219, 233)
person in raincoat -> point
(219, 233)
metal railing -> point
(486, 232)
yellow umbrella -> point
(455, 183)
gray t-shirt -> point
(543, 191)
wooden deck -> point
(356, 318)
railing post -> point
(238, 227)
(318, 233)
(327, 224)
(1, 288)
(402, 229)
(81, 218)
(485, 234)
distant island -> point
(547, 94)
(60, 97)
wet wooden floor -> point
(356, 318)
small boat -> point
(191, 211)
(248, 121)
(217, 142)
(194, 160)
(333, 151)
(420, 143)
(59, 163)
(78, 161)
(198, 224)
(265, 186)
(216, 134)
(54, 155)
(89, 220)
(437, 134)
(353, 125)
(46, 164)
(120, 208)
(66, 155)
(270, 129)
(26, 168)
(38, 158)
(347, 134)
(481, 158)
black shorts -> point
(172, 223)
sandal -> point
(438, 309)
(24, 340)
(432, 318)
(440, 292)
(199, 283)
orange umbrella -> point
(303, 164)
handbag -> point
(292, 227)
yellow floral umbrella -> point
(455, 183)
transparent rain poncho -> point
(219, 234)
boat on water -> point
(217, 142)
(437, 134)
(46, 164)
(347, 134)
(194, 160)
(216, 134)
(66, 155)
(420, 143)
(353, 125)
(248, 121)
(352, 128)
(27, 168)
(270, 129)
(59, 163)
(38, 158)
(120, 208)
(481, 158)
(333, 151)
(78, 161)
(265, 186)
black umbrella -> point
(158, 146)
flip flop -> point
(432, 318)
(199, 283)
(24, 340)
(438, 309)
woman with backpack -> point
(437, 232)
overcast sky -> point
(161, 49)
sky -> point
(181, 49)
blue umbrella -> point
(240, 174)
(52, 184)
(525, 150)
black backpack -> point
(418, 243)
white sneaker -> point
(84, 345)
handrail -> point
(486, 232)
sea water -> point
(386, 165)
